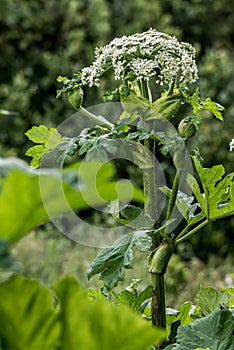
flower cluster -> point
(231, 145)
(144, 55)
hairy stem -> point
(158, 308)
(157, 279)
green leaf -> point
(133, 216)
(112, 261)
(99, 325)
(186, 204)
(30, 197)
(61, 79)
(217, 201)
(36, 152)
(213, 107)
(49, 140)
(181, 318)
(134, 300)
(68, 147)
(27, 318)
(208, 299)
(214, 332)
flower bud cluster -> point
(148, 54)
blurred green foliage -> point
(40, 40)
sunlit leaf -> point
(99, 325)
(30, 197)
(27, 317)
(209, 298)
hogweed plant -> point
(153, 72)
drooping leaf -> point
(208, 299)
(99, 325)
(30, 197)
(27, 317)
(214, 332)
(112, 261)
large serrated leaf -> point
(27, 318)
(214, 332)
(30, 197)
(208, 299)
(99, 325)
(48, 138)
(217, 201)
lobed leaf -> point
(112, 261)
(208, 299)
(214, 332)
(217, 201)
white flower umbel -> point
(231, 145)
(144, 55)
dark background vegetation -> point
(40, 40)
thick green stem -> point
(158, 308)
(157, 279)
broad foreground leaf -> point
(213, 332)
(99, 325)
(30, 197)
(32, 317)
(27, 319)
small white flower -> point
(231, 145)
(148, 54)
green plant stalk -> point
(173, 196)
(96, 118)
(158, 304)
(182, 238)
(158, 309)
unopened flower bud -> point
(187, 128)
(76, 97)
